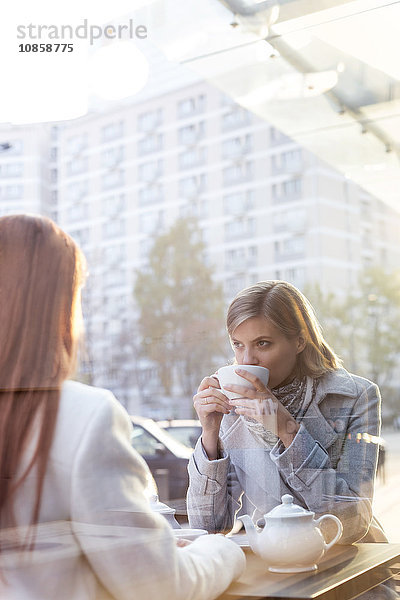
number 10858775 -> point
(45, 48)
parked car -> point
(167, 458)
(186, 431)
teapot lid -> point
(160, 507)
(288, 509)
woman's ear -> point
(301, 343)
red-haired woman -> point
(75, 521)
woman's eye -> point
(236, 344)
(263, 343)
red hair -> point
(40, 277)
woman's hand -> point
(261, 404)
(210, 405)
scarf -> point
(295, 396)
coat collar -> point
(338, 382)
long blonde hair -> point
(41, 271)
(290, 311)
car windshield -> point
(162, 436)
(187, 435)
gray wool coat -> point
(329, 467)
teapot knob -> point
(287, 499)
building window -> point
(196, 208)
(191, 106)
(150, 171)
(112, 156)
(236, 117)
(112, 131)
(290, 220)
(191, 134)
(191, 186)
(233, 285)
(77, 191)
(150, 120)
(240, 258)
(151, 143)
(114, 228)
(277, 137)
(113, 179)
(11, 170)
(192, 158)
(151, 221)
(290, 247)
(77, 165)
(15, 149)
(237, 173)
(77, 143)
(237, 146)
(113, 254)
(238, 203)
(112, 205)
(287, 162)
(240, 228)
(287, 190)
(151, 195)
(77, 212)
(12, 192)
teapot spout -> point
(251, 531)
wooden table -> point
(343, 573)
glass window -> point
(193, 185)
(190, 134)
(150, 171)
(78, 165)
(144, 443)
(150, 120)
(77, 212)
(113, 228)
(113, 204)
(190, 106)
(113, 179)
(11, 170)
(77, 143)
(151, 221)
(77, 191)
(151, 195)
(236, 117)
(151, 143)
(12, 192)
(112, 131)
(238, 202)
(237, 146)
(237, 173)
(192, 158)
(112, 156)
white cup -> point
(227, 375)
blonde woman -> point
(321, 446)
(75, 523)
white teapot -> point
(291, 541)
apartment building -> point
(117, 177)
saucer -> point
(189, 534)
(240, 539)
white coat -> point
(97, 538)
